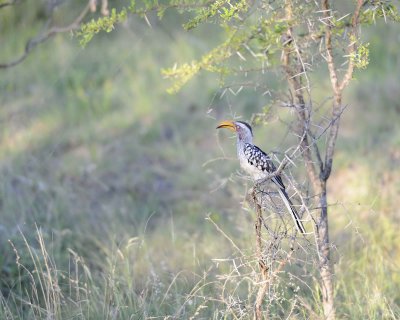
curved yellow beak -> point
(228, 125)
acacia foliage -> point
(255, 31)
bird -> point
(258, 164)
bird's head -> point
(243, 129)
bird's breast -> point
(252, 170)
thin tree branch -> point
(328, 44)
(336, 86)
(32, 43)
(225, 235)
(8, 3)
(316, 151)
(353, 46)
(297, 91)
(261, 262)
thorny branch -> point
(325, 166)
(337, 86)
(267, 275)
(297, 90)
(261, 262)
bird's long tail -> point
(292, 210)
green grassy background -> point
(106, 181)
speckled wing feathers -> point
(260, 160)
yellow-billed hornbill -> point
(258, 164)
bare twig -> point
(225, 235)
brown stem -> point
(267, 276)
(325, 268)
(319, 184)
(337, 86)
(258, 314)
(299, 101)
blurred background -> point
(106, 180)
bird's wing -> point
(262, 161)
